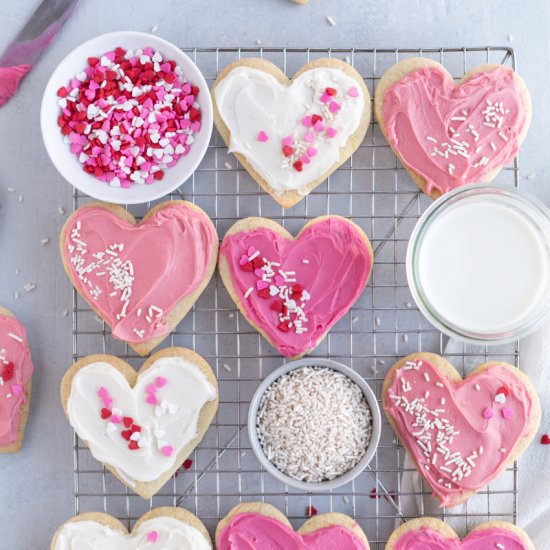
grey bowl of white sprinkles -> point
(329, 452)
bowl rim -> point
(105, 192)
(515, 196)
(376, 423)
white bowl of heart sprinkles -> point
(314, 424)
(126, 117)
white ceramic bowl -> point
(350, 474)
(67, 163)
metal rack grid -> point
(373, 190)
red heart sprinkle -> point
(297, 289)
(133, 445)
(187, 464)
(277, 305)
(331, 91)
(316, 118)
(258, 262)
(247, 267)
(62, 92)
(298, 166)
(93, 61)
(127, 421)
(503, 390)
(311, 511)
(264, 293)
(545, 439)
(7, 373)
(284, 327)
(135, 428)
(120, 52)
(105, 413)
(159, 174)
(287, 150)
(126, 434)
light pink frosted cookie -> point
(449, 135)
(461, 434)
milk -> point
(482, 266)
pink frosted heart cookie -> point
(258, 526)
(446, 134)
(141, 278)
(290, 135)
(143, 425)
(433, 534)
(16, 370)
(461, 434)
(293, 290)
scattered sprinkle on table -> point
(128, 116)
(314, 424)
(330, 21)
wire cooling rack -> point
(373, 190)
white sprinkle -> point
(503, 135)
(45, 241)
(231, 315)
(258, 42)
(304, 261)
(15, 337)
(477, 387)
(493, 146)
(502, 450)
(354, 319)
(228, 166)
(510, 38)
(226, 367)
(408, 304)
(405, 338)
(439, 384)
(426, 377)
(530, 176)
(20, 199)
(65, 313)
(10, 189)
(154, 28)
(330, 21)
(29, 287)
(430, 138)
(378, 321)
(16, 295)
(61, 210)
(345, 499)
(248, 292)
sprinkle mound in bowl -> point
(314, 424)
(126, 117)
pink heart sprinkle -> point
(243, 260)
(331, 132)
(262, 136)
(279, 281)
(311, 151)
(151, 388)
(333, 107)
(103, 392)
(288, 141)
(152, 536)
(151, 399)
(259, 272)
(306, 121)
(325, 98)
(108, 402)
(305, 159)
(116, 419)
(167, 450)
(353, 92)
(251, 251)
(488, 413)
(16, 389)
(309, 137)
(160, 381)
(318, 126)
(260, 285)
(506, 413)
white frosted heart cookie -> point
(290, 135)
(162, 528)
(142, 425)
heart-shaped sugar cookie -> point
(461, 434)
(293, 290)
(449, 135)
(161, 528)
(434, 534)
(257, 526)
(290, 135)
(142, 279)
(16, 370)
(143, 425)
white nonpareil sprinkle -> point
(314, 424)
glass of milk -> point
(478, 264)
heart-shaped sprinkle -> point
(244, 260)
(151, 399)
(488, 413)
(151, 388)
(500, 398)
(259, 272)
(545, 439)
(105, 413)
(161, 381)
(127, 421)
(152, 536)
(167, 450)
(116, 419)
(262, 136)
(187, 464)
(506, 413)
(260, 285)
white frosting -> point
(252, 101)
(172, 534)
(171, 423)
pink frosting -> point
(10, 77)
(162, 260)
(487, 114)
(330, 261)
(258, 532)
(460, 434)
(483, 539)
(15, 355)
